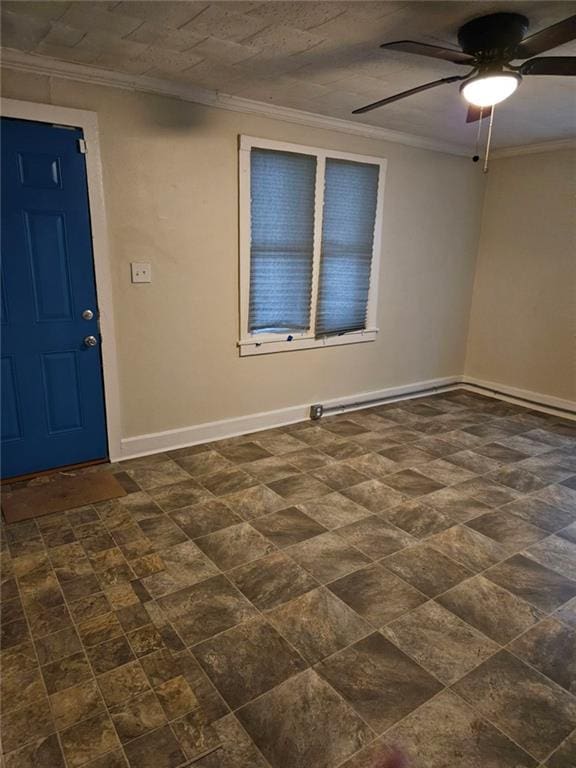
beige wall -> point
(523, 317)
(172, 199)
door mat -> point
(59, 495)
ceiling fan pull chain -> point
(485, 168)
(478, 132)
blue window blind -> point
(350, 197)
(282, 240)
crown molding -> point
(533, 149)
(43, 65)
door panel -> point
(52, 392)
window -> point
(310, 235)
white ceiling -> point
(321, 57)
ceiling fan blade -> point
(476, 113)
(550, 65)
(410, 92)
(548, 38)
(435, 51)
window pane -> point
(282, 240)
(350, 196)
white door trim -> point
(88, 121)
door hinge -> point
(82, 146)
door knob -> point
(90, 341)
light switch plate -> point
(141, 272)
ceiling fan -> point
(489, 44)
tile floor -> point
(307, 597)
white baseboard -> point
(156, 442)
(172, 439)
(536, 400)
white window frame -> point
(265, 343)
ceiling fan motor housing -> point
(493, 38)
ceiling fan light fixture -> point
(489, 89)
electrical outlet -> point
(141, 272)
(316, 411)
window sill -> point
(268, 346)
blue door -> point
(52, 392)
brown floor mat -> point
(60, 494)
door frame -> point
(88, 122)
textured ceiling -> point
(321, 57)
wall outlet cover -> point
(141, 272)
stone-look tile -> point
(344, 427)
(132, 617)
(201, 519)
(457, 504)
(509, 531)
(184, 565)
(471, 549)
(474, 462)
(66, 672)
(375, 537)
(108, 655)
(248, 660)
(426, 569)
(505, 690)
(376, 594)
(563, 757)
(237, 750)
(339, 475)
(327, 557)
(272, 580)
(307, 459)
(240, 453)
(560, 496)
(176, 697)
(556, 553)
(254, 502)
(407, 456)
(88, 740)
(269, 470)
(41, 752)
(413, 483)
(418, 519)
(25, 724)
(289, 724)
(374, 495)
(123, 683)
(334, 510)
(568, 533)
(488, 491)
(533, 582)
(318, 624)
(211, 704)
(162, 532)
(157, 749)
(203, 610)
(101, 628)
(341, 450)
(205, 463)
(138, 716)
(287, 527)
(276, 442)
(196, 737)
(372, 465)
(74, 704)
(550, 646)
(519, 479)
(539, 513)
(379, 681)
(235, 545)
(447, 472)
(145, 640)
(493, 610)
(447, 732)
(299, 488)
(21, 683)
(228, 481)
(440, 642)
(179, 495)
(13, 633)
(567, 613)
(164, 473)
